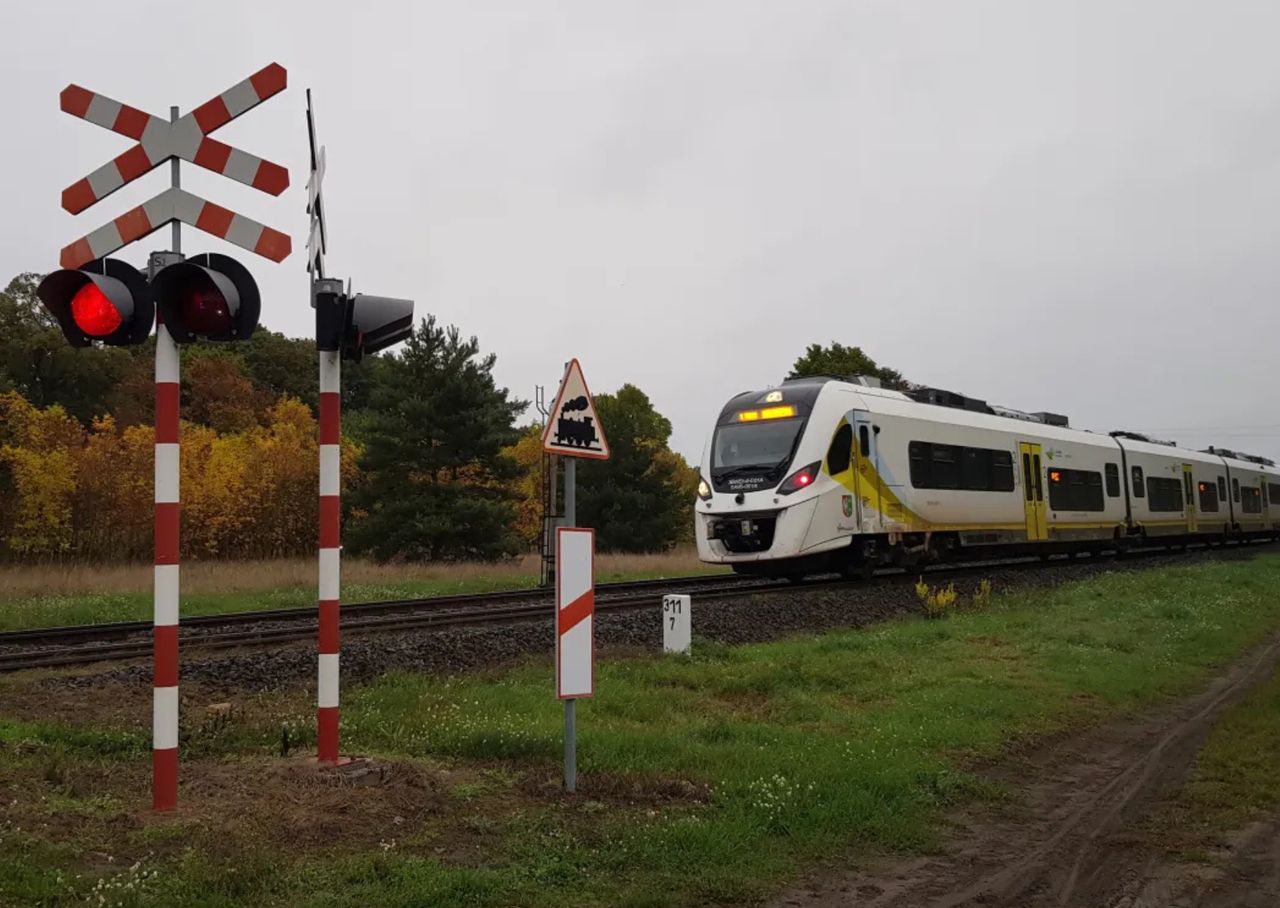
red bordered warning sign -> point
(573, 428)
(575, 613)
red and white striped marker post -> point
(327, 736)
(575, 634)
(168, 477)
(164, 757)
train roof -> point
(942, 406)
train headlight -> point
(800, 479)
(704, 490)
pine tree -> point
(641, 499)
(436, 482)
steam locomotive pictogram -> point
(576, 432)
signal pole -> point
(164, 718)
(211, 297)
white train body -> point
(831, 474)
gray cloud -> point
(1053, 206)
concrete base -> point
(354, 770)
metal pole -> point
(570, 717)
(570, 492)
(330, 555)
(164, 708)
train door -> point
(1033, 492)
(1189, 492)
(868, 473)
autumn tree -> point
(527, 485)
(837, 359)
(641, 499)
(37, 362)
(436, 480)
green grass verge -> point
(95, 608)
(1234, 781)
(806, 747)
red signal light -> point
(205, 311)
(803, 479)
(93, 312)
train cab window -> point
(1164, 494)
(1274, 489)
(936, 466)
(1113, 481)
(1138, 490)
(1075, 490)
(864, 441)
(1222, 488)
(1235, 490)
(840, 454)
(1208, 497)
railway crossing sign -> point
(573, 428)
(318, 239)
(185, 138)
(575, 612)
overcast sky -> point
(1064, 206)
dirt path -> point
(1074, 836)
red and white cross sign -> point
(186, 138)
(575, 612)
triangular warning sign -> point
(573, 428)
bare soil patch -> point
(1075, 831)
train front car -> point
(763, 476)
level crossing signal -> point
(360, 324)
(208, 297)
(106, 300)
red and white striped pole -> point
(330, 554)
(164, 714)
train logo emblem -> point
(847, 502)
(573, 428)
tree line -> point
(436, 462)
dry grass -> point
(214, 577)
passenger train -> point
(828, 474)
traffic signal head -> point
(106, 300)
(359, 324)
(211, 296)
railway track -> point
(54, 647)
(77, 645)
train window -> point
(1208, 497)
(1250, 500)
(1264, 494)
(1187, 484)
(1137, 486)
(1235, 490)
(1222, 488)
(864, 441)
(1113, 481)
(1274, 489)
(935, 466)
(1164, 494)
(1001, 477)
(946, 469)
(1075, 490)
(840, 453)
(1026, 473)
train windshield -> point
(766, 445)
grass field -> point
(1234, 781)
(82, 594)
(705, 780)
